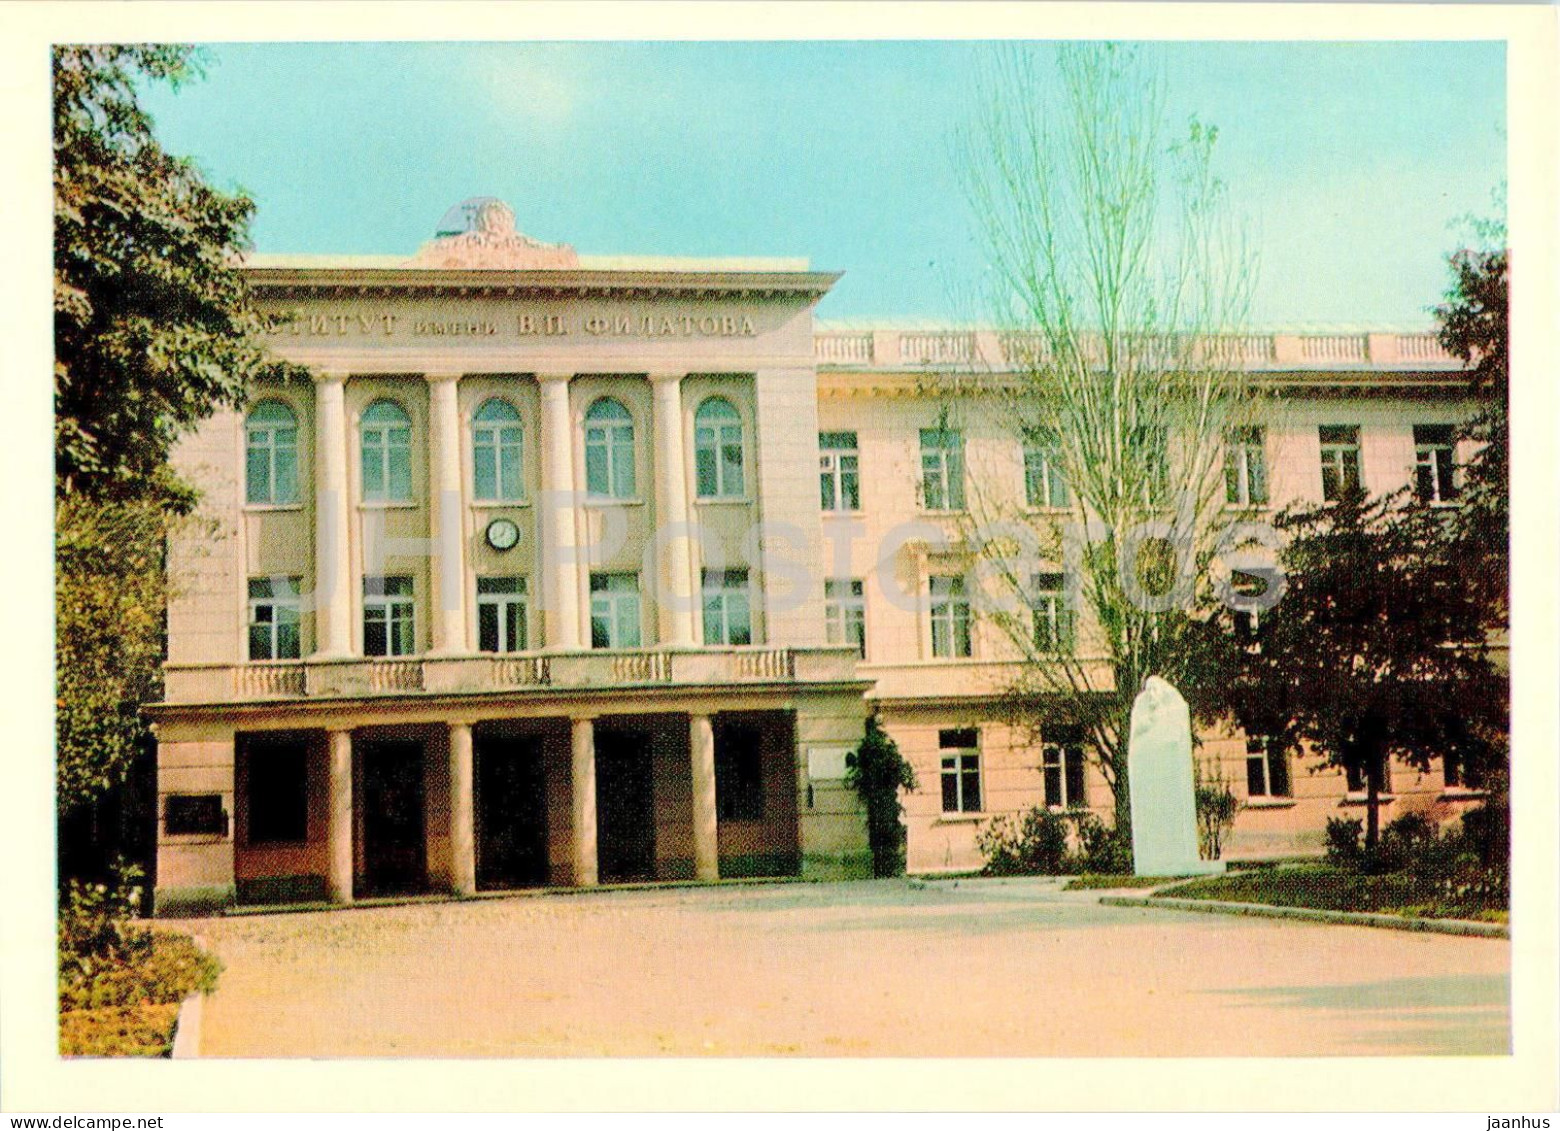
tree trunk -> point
(1372, 809)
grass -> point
(1094, 881)
(130, 1007)
(1327, 887)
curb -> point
(1464, 927)
(186, 1028)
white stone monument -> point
(1159, 773)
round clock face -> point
(502, 534)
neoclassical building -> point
(566, 570)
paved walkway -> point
(977, 968)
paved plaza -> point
(887, 968)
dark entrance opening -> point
(625, 810)
(394, 849)
(511, 789)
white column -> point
(583, 784)
(449, 564)
(463, 845)
(332, 547)
(562, 580)
(706, 845)
(671, 505)
(339, 817)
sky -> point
(1351, 162)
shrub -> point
(94, 924)
(1410, 841)
(1034, 843)
(1343, 841)
(1102, 849)
(1216, 809)
(1487, 833)
(877, 772)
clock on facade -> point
(502, 534)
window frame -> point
(1045, 483)
(379, 441)
(272, 445)
(839, 472)
(1244, 448)
(286, 610)
(1064, 769)
(500, 602)
(1261, 761)
(397, 612)
(615, 439)
(1335, 457)
(942, 465)
(842, 612)
(723, 594)
(1442, 479)
(488, 434)
(961, 747)
(944, 609)
(712, 438)
(617, 601)
(1048, 606)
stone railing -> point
(1009, 350)
(453, 675)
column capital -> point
(554, 378)
(666, 377)
(328, 377)
(439, 378)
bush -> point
(1216, 809)
(1487, 833)
(1102, 849)
(1034, 843)
(94, 925)
(877, 772)
(1343, 841)
(1410, 841)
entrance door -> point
(625, 815)
(394, 851)
(511, 812)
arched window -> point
(717, 446)
(387, 453)
(271, 454)
(495, 453)
(609, 450)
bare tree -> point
(1119, 284)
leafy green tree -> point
(877, 772)
(1475, 326)
(152, 324)
(1376, 649)
(153, 331)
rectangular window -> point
(1044, 483)
(1062, 766)
(727, 617)
(273, 618)
(1340, 460)
(1055, 622)
(389, 627)
(739, 773)
(942, 469)
(1433, 468)
(278, 797)
(1245, 467)
(501, 614)
(1354, 777)
(950, 617)
(960, 770)
(614, 610)
(839, 479)
(845, 612)
(1267, 769)
(1458, 774)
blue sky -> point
(1352, 162)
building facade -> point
(569, 571)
